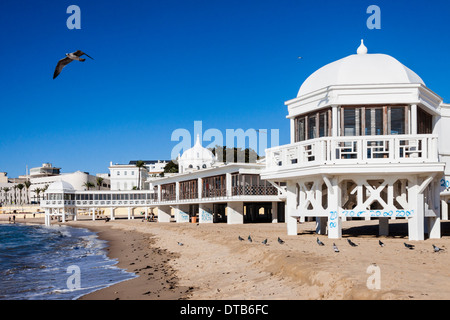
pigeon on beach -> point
(380, 243)
(437, 249)
(409, 246)
(240, 238)
(335, 248)
(68, 59)
(180, 244)
(350, 242)
(320, 243)
(249, 239)
(264, 241)
(280, 241)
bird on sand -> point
(280, 241)
(264, 241)
(350, 242)
(249, 238)
(437, 249)
(335, 248)
(180, 244)
(409, 246)
(380, 243)
(68, 59)
(320, 243)
(240, 238)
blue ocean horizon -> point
(54, 263)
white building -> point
(129, 177)
(368, 140)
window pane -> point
(312, 127)
(323, 124)
(349, 122)
(301, 129)
(374, 121)
(397, 121)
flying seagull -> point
(68, 59)
(320, 243)
(280, 241)
(437, 249)
(335, 248)
(380, 243)
(409, 246)
(350, 242)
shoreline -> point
(212, 264)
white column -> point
(181, 214)
(235, 212)
(177, 190)
(93, 214)
(47, 217)
(164, 214)
(228, 184)
(444, 209)
(413, 119)
(206, 213)
(334, 121)
(75, 213)
(200, 187)
(291, 203)
(146, 213)
(416, 226)
(63, 215)
(334, 220)
(129, 213)
(112, 216)
(274, 212)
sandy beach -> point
(212, 264)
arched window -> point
(204, 166)
(190, 166)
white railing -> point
(354, 150)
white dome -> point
(59, 187)
(196, 158)
(360, 68)
(197, 152)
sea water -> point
(53, 263)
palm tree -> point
(27, 186)
(6, 189)
(139, 164)
(38, 191)
(15, 193)
(99, 182)
(88, 185)
(20, 186)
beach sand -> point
(212, 264)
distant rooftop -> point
(149, 161)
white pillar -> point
(146, 213)
(383, 227)
(414, 119)
(63, 215)
(291, 203)
(75, 213)
(164, 214)
(235, 212)
(334, 220)
(112, 216)
(206, 214)
(274, 212)
(93, 214)
(228, 184)
(181, 213)
(335, 121)
(129, 213)
(444, 209)
(416, 226)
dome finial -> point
(362, 48)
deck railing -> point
(354, 150)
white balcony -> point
(354, 153)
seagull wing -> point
(79, 53)
(61, 64)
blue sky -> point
(161, 65)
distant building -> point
(128, 177)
